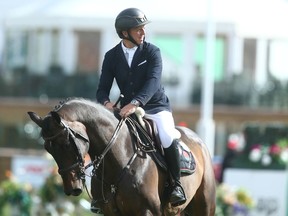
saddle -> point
(145, 135)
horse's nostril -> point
(68, 193)
(76, 192)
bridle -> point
(74, 135)
(98, 160)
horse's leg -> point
(143, 208)
(209, 186)
(151, 207)
(142, 200)
(146, 213)
(204, 201)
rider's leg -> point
(172, 156)
(169, 137)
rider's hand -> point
(109, 105)
(128, 110)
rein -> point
(140, 147)
(100, 158)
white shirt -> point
(130, 51)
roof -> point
(254, 18)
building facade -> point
(63, 43)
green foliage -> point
(16, 195)
(51, 189)
(51, 193)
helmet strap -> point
(130, 38)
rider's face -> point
(138, 34)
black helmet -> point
(129, 18)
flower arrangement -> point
(16, 195)
(267, 154)
(54, 199)
(231, 202)
(236, 142)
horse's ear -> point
(56, 116)
(37, 119)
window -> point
(171, 47)
(16, 49)
(219, 56)
(277, 60)
(88, 51)
(249, 56)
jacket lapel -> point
(136, 56)
(121, 54)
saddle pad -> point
(187, 162)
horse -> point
(125, 180)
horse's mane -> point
(73, 99)
(83, 109)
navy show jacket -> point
(141, 81)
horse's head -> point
(68, 143)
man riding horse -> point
(136, 65)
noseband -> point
(74, 135)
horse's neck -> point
(119, 150)
(100, 128)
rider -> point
(139, 79)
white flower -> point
(266, 160)
(255, 155)
(284, 156)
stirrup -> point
(95, 209)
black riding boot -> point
(172, 156)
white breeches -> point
(166, 127)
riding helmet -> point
(129, 18)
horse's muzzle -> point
(76, 192)
(73, 192)
(73, 188)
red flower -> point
(275, 149)
(256, 146)
(232, 144)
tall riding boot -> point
(172, 156)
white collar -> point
(129, 50)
